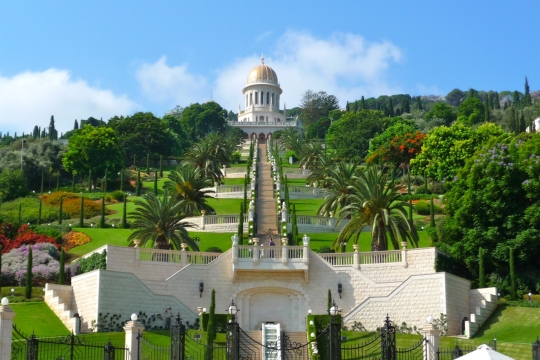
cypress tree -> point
(355, 106)
(61, 271)
(58, 180)
(244, 209)
(134, 160)
(527, 97)
(102, 218)
(211, 328)
(409, 192)
(60, 211)
(105, 180)
(155, 183)
(431, 214)
(81, 213)
(20, 213)
(295, 227)
(241, 225)
(362, 103)
(39, 212)
(73, 182)
(148, 164)
(160, 165)
(90, 181)
(124, 213)
(513, 280)
(138, 186)
(496, 103)
(390, 107)
(122, 179)
(28, 282)
(481, 272)
(76, 125)
(329, 300)
(42, 181)
(486, 111)
(347, 108)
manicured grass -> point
(225, 206)
(319, 240)
(233, 181)
(101, 237)
(296, 181)
(307, 206)
(19, 294)
(221, 240)
(37, 318)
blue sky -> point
(75, 59)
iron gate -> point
(381, 346)
(536, 349)
(415, 352)
(69, 347)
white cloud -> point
(162, 83)
(344, 65)
(30, 98)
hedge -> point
(221, 321)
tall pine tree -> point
(527, 97)
(362, 103)
(76, 125)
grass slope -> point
(37, 318)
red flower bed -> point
(25, 236)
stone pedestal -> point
(6, 331)
(431, 333)
(133, 329)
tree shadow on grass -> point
(490, 322)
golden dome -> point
(262, 74)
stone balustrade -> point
(178, 257)
(358, 259)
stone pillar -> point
(431, 333)
(284, 215)
(203, 213)
(315, 189)
(133, 329)
(256, 250)
(284, 253)
(6, 329)
(235, 248)
(224, 171)
(305, 240)
(404, 254)
(332, 220)
(183, 254)
(356, 257)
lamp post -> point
(334, 346)
(233, 340)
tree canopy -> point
(316, 106)
(198, 120)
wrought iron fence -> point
(536, 349)
(455, 352)
(69, 347)
(415, 352)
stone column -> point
(235, 248)
(255, 250)
(431, 333)
(284, 252)
(356, 257)
(305, 240)
(404, 254)
(133, 329)
(332, 220)
(203, 213)
(224, 171)
(284, 217)
(6, 329)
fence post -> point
(255, 250)
(203, 213)
(431, 333)
(356, 257)
(305, 257)
(6, 329)
(284, 251)
(133, 331)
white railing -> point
(222, 189)
(236, 170)
(338, 259)
(364, 258)
(310, 220)
(261, 123)
(269, 252)
(178, 257)
(296, 252)
(289, 170)
(223, 219)
(380, 257)
(244, 252)
(301, 189)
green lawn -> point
(296, 181)
(221, 240)
(37, 318)
(101, 237)
(225, 206)
(319, 240)
(233, 181)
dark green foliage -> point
(28, 282)
(90, 181)
(449, 264)
(61, 271)
(39, 211)
(431, 213)
(60, 215)
(105, 180)
(481, 269)
(73, 182)
(12, 185)
(93, 262)
(81, 213)
(42, 182)
(160, 165)
(138, 186)
(0, 266)
(211, 328)
(124, 214)
(325, 250)
(241, 225)
(155, 183)
(214, 249)
(321, 323)
(422, 190)
(424, 208)
(102, 217)
(148, 164)
(513, 279)
(329, 300)
(19, 218)
(118, 195)
(441, 111)
(122, 180)
(220, 321)
(54, 231)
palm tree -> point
(186, 184)
(321, 170)
(309, 155)
(291, 139)
(203, 155)
(376, 202)
(339, 191)
(159, 222)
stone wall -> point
(408, 294)
(457, 302)
(86, 298)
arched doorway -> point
(262, 136)
(246, 135)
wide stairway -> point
(266, 204)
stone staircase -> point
(58, 298)
(483, 302)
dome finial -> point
(262, 59)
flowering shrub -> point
(72, 207)
(45, 265)
(54, 198)
(74, 238)
(25, 236)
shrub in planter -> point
(325, 250)
(214, 249)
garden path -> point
(266, 204)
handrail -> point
(364, 258)
(176, 256)
(229, 189)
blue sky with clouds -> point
(75, 59)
